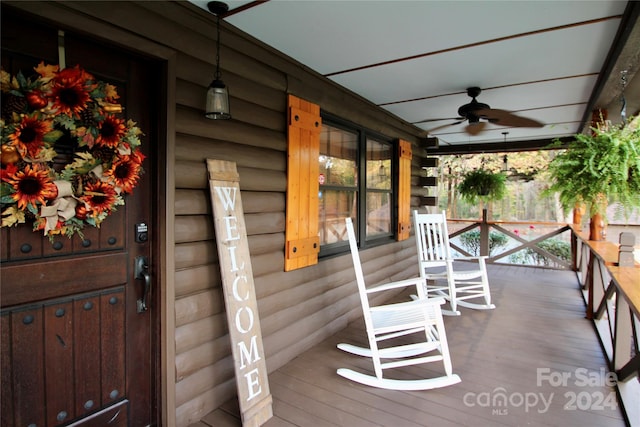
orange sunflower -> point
(138, 157)
(6, 172)
(125, 172)
(32, 186)
(111, 131)
(100, 197)
(28, 136)
(71, 90)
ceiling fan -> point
(479, 114)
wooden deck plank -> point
(220, 418)
(311, 412)
(365, 403)
(538, 328)
(306, 383)
(401, 408)
(292, 415)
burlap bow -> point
(62, 208)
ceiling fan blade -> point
(429, 131)
(475, 128)
(507, 118)
(438, 120)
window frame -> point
(363, 134)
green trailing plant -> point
(599, 168)
(484, 185)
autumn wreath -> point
(67, 158)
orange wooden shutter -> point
(301, 236)
(404, 189)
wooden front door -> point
(76, 348)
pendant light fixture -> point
(505, 160)
(623, 101)
(217, 107)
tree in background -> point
(526, 180)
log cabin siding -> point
(298, 309)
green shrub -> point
(559, 248)
(471, 241)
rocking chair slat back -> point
(458, 279)
(432, 238)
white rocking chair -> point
(456, 285)
(420, 317)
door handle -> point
(141, 272)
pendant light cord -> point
(217, 76)
(623, 101)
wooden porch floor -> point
(520, 351)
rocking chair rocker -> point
(420, 320)
(456, 285)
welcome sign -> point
(239, 293)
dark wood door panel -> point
(30, 282)
(6, 366)
(65, 358)
(59, 349)
(27, 356)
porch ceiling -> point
(550, 61)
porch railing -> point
(518, 241)
(612, 296)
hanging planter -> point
(484, 185)
(599, 169)
(67, 158)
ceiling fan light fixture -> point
(473, 119)
(469, 109)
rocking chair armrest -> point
(469, 258)
(435, 263)
(415, 281)
(409, 304)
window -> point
(357, 181)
